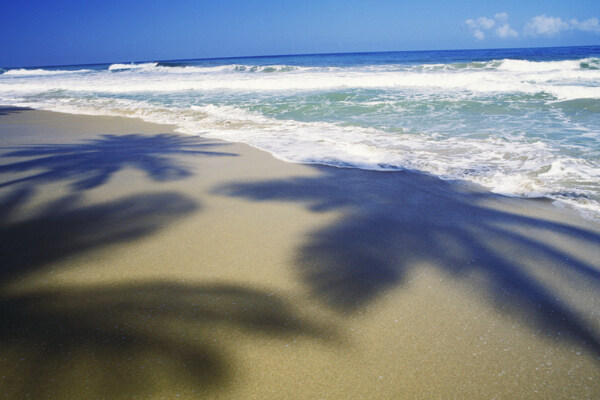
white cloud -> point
(505, 31)
(485, 23)
(480, 23)
(543, 25)
(501, 16)
(479, 34)
(550, 26)
(589, 25)
(480, 26)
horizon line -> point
(290, 55)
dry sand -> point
(141, 263)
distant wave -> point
(123, 67)
(25, 72)
(267, 68)
(590, 63)
(503, 64)
(547, 66)
(511, 65)
(559, 80)
(187, 68)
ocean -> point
(521, 122)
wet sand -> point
(141, 262)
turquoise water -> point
(523, 122)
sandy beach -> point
(142, 263)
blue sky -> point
(61, 32)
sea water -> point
(522, 122)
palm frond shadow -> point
(121, 341)
(117, 340)
(395, 222)
(66, 227)
(93, 162)
(12, 110)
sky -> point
(67, 32)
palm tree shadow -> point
(395, 221)
(13, 110)
(93, 162)
(123, 341)
(66, 227)
(118, 340)
(63, 227)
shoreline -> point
(564, 204)
(144, 261)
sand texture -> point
(141, 263)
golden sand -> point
(142, 263)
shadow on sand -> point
(93, 162)
(123, 341)
(4, 110)
(394, 222)
(116, 340)
(65, 227)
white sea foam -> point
(39, 71)
(538, 66)
(431, 118)
(122, 67)
(487, 161)
(564, 80)
(190, 69)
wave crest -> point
(39, 71)
(125, 67)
